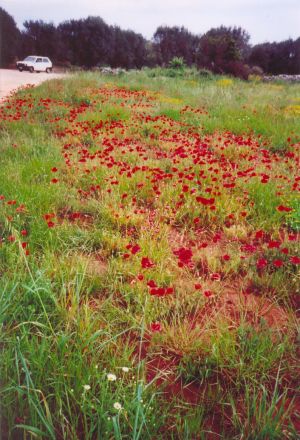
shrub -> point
(205, 73)
(177, 63)
(256, 70)
(238, 69)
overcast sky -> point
(265, 20)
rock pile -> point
(286, 78)
(110, 70)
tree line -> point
(91, 42)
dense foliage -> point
(9, 38)
(91, 42)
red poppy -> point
(151, 283)
(278, 263)
(147, 263)
(259, 234)
(198, 286)
(207, 293)
(282, 208)
(155, 327)
(261, 263)
(135, 249)
(184, 255)
(215, 276)
(274, 244)
(51, 224)
(205, 201)
(161, 291)
(226, 257)
(295, 260)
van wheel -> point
(20, 69)
(48, 70)
(31, 69)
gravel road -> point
(12, 79)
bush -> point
(205, 73)
(238, 69)
(177, 63)
(256, 71)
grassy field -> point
(149, 259)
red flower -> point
(205, 201)
(207, 293)
(259, 234)
(50, 224)
(198, 286)
(215, 276)
(284, 251)
(278, 263)
(274, 244)
(226, 257)
(184, 255)
(23, 232)
(54, 180)
(146, 263)
(49, 216)
(282, 208)
(295, 260)
(261, 263)
(54, 170)
(151, 283)
(292, 237)
(135, 249)
(161, 291)
(11, 238)
(155, 327)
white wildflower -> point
(111, 377)
(117, 406)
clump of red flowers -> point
(184, 255)
(161, 291)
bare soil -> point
(10, 80)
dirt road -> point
(12, 79)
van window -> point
(38, 60)
(45, 60)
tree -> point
(129, 49)
(9, 38)
(223, 49)
(277, 58)
(39, 38)
(171, 42)
(86, 42)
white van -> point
(35, 64)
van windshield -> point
(29, 59)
